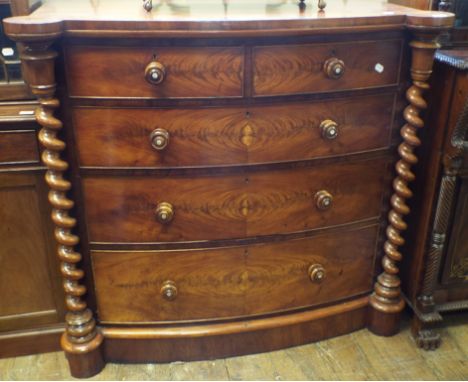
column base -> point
(85, 360)
(384, 324)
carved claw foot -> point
(428, 339)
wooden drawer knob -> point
(159, 139)
(155, 73)
(323, 200)
(164, 212)
(334, 68)
(169, 290)
(329, 129)
(316, 273)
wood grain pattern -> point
(122, 19)
(387, 301)
(456, 265)
(81, 341)
(120, 72)
(33, 341)
(128, 283)
(231, 135)
(18, 147)
(358, 355)
(258, 335)
(29, 294)
(122, 209)
(296, 69)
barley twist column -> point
(81, 340)
(386, 302)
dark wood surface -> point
(126, 281)
(27, 286)
(231, 135)
(18, 147)
(123, 19)
(32, 341)
(120, 72)
(456, 265)
(435, 276)
(31, 308)
(208, 342)
(124, 205)
(300, 68)
(122, 209)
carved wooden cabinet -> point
(221, 173)
(31, 299)
(436, 274)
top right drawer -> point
(315, 68)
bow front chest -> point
(225, 177)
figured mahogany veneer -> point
(191, 72)
(122, 209)
(230, 166)
(18, 146)
(128, 284)
(231, 135)
(295, 69)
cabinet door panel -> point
(456, 266)
(29, 293)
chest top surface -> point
(89, 17)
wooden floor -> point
(357, 356)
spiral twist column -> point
(81, 340)
(386, 302)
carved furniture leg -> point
(386, 303)
(424, 330)
(81, 340)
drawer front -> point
(220, 136)
(294, 69)
(190, 72)
(18, 147)
(185, 208)
(151, 286)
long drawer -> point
(295, 69)
(188, 72)
(186, 208)
(133, 287)
(231, 135)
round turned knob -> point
(323, 200)
(155, 72)
(329, 129)
(316, 273)
(164, 212)
(334, 68)
(159, 139)
(148, 5)
(169, 290)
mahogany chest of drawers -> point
(230, 170)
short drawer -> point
(138, 287)
(231, 135)
(186, 208)
(295, 69)
(18, 146)
(186, 72)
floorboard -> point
(356, 356)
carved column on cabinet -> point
(426, 314)
(386, 303)
(81, 340)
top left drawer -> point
(180, 72)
